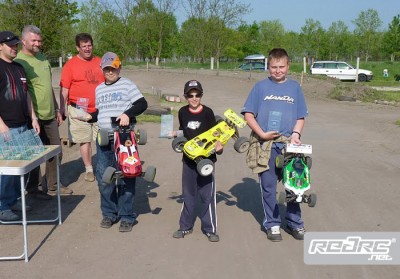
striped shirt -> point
(112, 100)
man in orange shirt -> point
(79, 79)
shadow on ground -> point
(248, 198)
(247, 194)
(48, 209)
(144, 192)
(74, 169)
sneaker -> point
(297, 233)
(18, 206)
(37, 194)
(8, 215)
(212, 237)
(125, 226)
(63, 190)
(274, 234)
(106, 223)
(181, 233)
(89, 176)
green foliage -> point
(368, 23)
(363, 92)
(374, 95)
(392, 39)
(377, 68)
(143, 30)
(55, 18)
(148, 118)
(312, 38)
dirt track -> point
(355, 175)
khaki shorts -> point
(80, 131)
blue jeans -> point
(268, 184)
(10, 187)
(116, 201)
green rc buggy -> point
(295, 163)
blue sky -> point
(293, 13)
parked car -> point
(253, 65)
(340, 70)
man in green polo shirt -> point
(39, 80)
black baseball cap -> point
(9, 38)
(193, 84)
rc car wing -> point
(236, 119)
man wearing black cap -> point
(16, 110)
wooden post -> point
(358, 66)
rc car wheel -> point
(205, 167)
(178, 143)
(279, 161)
(150, 174)
(313, 200)
(281, 197)
(103, 138)
(141, 137)
(241, 145)
(218, 119)
(308, 161)
(108, 175)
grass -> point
(296, 67)
(148, 118)
(360, 91)
(163, 103)
(363, 93)
(389, 96)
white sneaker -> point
(274, 234)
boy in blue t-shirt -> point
(276, 108)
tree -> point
(338, 40)
(166, 23)
(392, 38)
(193, 38)
(248, 39)
(109, 34)
(214, 18)
(54, 17)
(367, 25)
(312, 38)
(271, 35)
(292, 46)
(90, 22)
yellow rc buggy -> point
(201, 147)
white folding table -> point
(22, 167)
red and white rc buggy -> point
(126, 143)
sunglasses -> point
(191, 96)
(9, 38)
